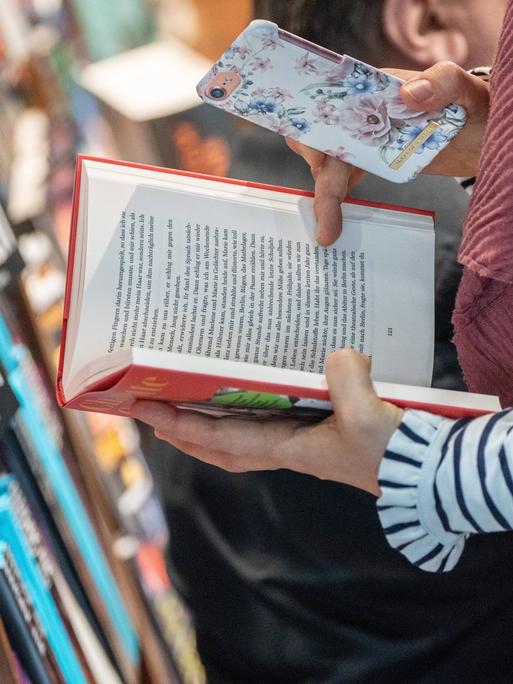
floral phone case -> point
(334, 103)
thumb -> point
(446, 83)
(349, 381)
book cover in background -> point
(11, 263)
(111, 28)
(8, 403)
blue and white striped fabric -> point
(443, 480)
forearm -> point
(442, 481)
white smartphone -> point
(333, 103)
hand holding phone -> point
(448, 82)
(333, 103)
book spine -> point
(14, 453)
(68, 578)
(9, 667)
(24, 632)
(37, 629)
(46, 565)
(60, 490)
(41, 598)
(29, 527)
(174, 621)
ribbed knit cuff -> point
(407, 507)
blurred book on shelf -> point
(110, 461)
(149, 82)
(84, 76)
(109, 28)
(47, 621)
(149, 99)
(33, 448)
(9, 667)
(24, 631)
(206, 26)
(38, 433)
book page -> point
(234, 274)
(236, 295)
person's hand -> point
(427, 91)
(346, 447)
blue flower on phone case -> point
(263, 105)
(301, 125)
(410, 133)
(360, 84)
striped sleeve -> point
(443, 480)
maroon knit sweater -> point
(483, 317)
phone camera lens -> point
(217, 92)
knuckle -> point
(449, 74)
(448, 68)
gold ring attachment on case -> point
(414, 145)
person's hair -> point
(344, 26)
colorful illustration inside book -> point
(230, 401)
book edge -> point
(125, 385)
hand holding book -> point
(447, 82)
(347, 447)
(221, 301)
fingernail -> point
(420, 90)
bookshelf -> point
(84, 593)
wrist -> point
(377, 433)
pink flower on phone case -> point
(330, 102)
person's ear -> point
(423, 31)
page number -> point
(390, 332)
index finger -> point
(331, 185)
(314, 158)
(332, 180)
(262, 444)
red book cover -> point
(116, 392)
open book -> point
(212, 294)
